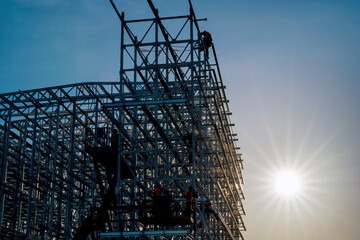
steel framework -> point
(172, 115)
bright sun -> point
(287, 183)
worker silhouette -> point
(162, 202)
(115, 140)
(207, 40)
(158, 191)
(190, 196)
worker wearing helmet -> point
(207, 41)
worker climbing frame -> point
(152, 155)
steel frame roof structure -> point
(173, 118)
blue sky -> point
(293, 80)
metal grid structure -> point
(172, 115)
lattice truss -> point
(174, 128)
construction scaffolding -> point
(117, 160)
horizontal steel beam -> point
(154, 19)
(145, 233)
(161, 66)
(144, 103)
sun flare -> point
(287, 183)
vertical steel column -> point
(156, 94)
(134, 137)
(68, 217)
(7, 126)
(33, 152)
(47, 170)
(93, 184)
(53, 174)
(120, 121)
(193, 121)
(23, 136)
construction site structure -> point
(152, 156)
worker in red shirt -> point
(207, 41)
(158, 191)
(190, 196)
(158, 199)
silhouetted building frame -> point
(174, 128)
